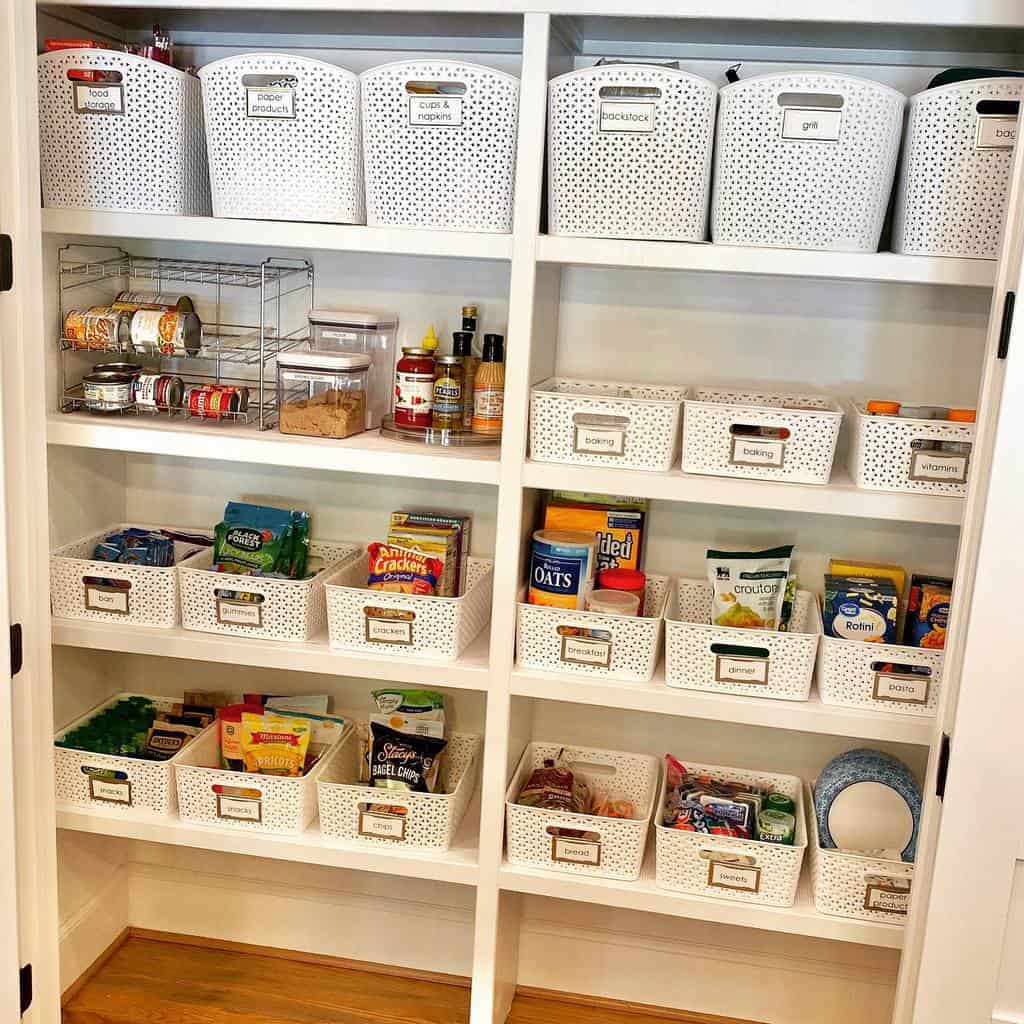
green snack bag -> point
(253, 540)
(299, 555)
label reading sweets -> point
(99, 99)
(435, 111)
(582, 650)
(110, 791)
(239, 613)
(938, 467)
(599, 440)
(893, 898)
(381, 825)
(236, 808)
(996, 132)
(734, 876)
(810, 125)
(750, 451)
(575, 851)
(901, 689)
(388, 631)
(105, 599)
(626, 116)
(741, 670)
(276, 103)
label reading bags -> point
(271, 102)
(626, 116)
(995, 132)
(435, 111)
(99, 99)
(810, 125)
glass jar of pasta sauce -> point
(414, 388)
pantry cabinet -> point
(714, 319)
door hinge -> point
(943, 769)
(1007, 325)
(6, 264)
(25, 980)
(17, 653)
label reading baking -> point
(99, 99)
(582, 650)
(236, 808)
(99, 598)
(435, 111)
(893, 899)
(741, 670)
(382, 826)
(275, 103)
(109, 791)
(388, 631)
(626, 116)
(239, 613)
(734, 876)
(599, 440)
(938, 467)
(995, 132)
(749, 451)
(901, 689)
(806, 124)
(575, 851)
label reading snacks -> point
(901, 689)
(599, 440)
(239, 613)
(585, 650)
(575, 851)
(111, 791)
(100, 598)
(626, 116)
(938, 467)
(810, 125)
(741, 670)
(435, 111)
(382, 825)
(750, 451)
(99, 99)
(891, 895)
(996, 132)
(236, 808)
(274, 103)
(736, 877)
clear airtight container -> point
(365, 332)
(323, 394)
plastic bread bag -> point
(749, 587)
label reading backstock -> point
(626, 116)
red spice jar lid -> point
(622, 579)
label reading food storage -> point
(99, 598)
(388, 631)
(811, 125)
(749, 451)
(599, 440)
(575, 851)
(99, 99)
(996, 132)
(381, 825)
(239, 613)
(435, 111)
(892, 897)
(734, 876)
(236, 808)
(626, 116)
(583, 650)
(274, 103)
(938, 467)
(741, 670)
(110, 791)
(901, 689)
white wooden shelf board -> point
(839, 498)
(656, 697)
(734, 259)
(800, 919)
(470, 672)
(364, 453)
(280, 234)
(457, 864)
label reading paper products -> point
(891, 895)
(811, 125)
(435, 111)
(274, 103)
(626, 116)
(99, 99)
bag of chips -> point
(260, 540)
(402, 762)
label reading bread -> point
(575, 851)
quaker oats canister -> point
(561, 568)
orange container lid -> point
(885, 408)
(963, 415)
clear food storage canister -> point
(323, 394)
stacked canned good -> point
(144, 322)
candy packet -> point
(749, 587)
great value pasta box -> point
(617, 523)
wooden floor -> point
(149, 980)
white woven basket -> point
(855, 885)
(293, 610)
(406, 625)
(955, 174)
(729, 868)
(443, 161)
(150, 600)
(288, 151)
(747, 662)
(561, 640)
(605, 423)
(635, 166)
(147, 786)
(136, 145)
(353, 812)
(794, 168)
(882, 456)
(246, 801)
(608, 847)
(805, 456)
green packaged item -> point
(779, 802)
(776, 827)
(749, 587)
(260, 540)
(394, 700)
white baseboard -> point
(86, 933)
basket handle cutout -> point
(102, 581)
(1000, 108)
(237, 792)
(95, 76)
(239, 595)
(100, 772)
(722, 856)
(629, 92)
(435, 88)
(815, 100)
(754, 430)
(579, 631)
(896, 668)
(605, 771)
(270, 81)
(560, 832)
(739, 651)
(369, 807)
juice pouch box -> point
(619, 529)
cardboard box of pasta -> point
(618, 524)
(441, 535)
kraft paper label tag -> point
(382, 826)
(736, 877)
(239, 613)
(938, 467)
(99, 99)
(626, 116)
(995, 132)
(585, 650)
(435, 111)
(901, 689)
(388, 631)
(110, 791)
(236, 808)
(891, 895)
(751, 451)
(575, 851)
(741, 670)
(806, 124)
(99, 598)
(274, 103)
(599, 440)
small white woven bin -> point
(445, 161)
(247, 801)
(746, 662)
(353, 812)
(605, 423)
(955, 174)
(147, 786)
(150, 600)
(562, 639)
(395, 625)
(883, 456)
(135, 145)
(849, 676)
(294, 610)
(856, 885)
(714, 442)
(633, 166)
(729, 868)
(595, 846)
(284, 139)
(805, 161)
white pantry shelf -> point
(280, 234)
(800, 919)
(730, 259)
(470, 672)
(457, 864)
(364, 453)
(658, 698)
(839, 498)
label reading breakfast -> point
(748, 451)
(388, 631)
(626, 116)
(382, 826)
(235, 808)
(891, 899)
(106, 599)
(599, 441)
(996, 133)
(435, 111)
(809, 125)
(99, 99)
(239, 613)
(900, 689)
(741, 670)
(111, 792)
(937, 467)
(580, 650)
(575, 851)
(735, 877)
(270, 103)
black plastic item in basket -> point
(953, 75)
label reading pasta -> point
(811, 125)
(599, 441)
(99, 598)
(109, 791)
(938, 467)
(235, 808)
(273, 103)
(626, 116)
(734, 876)
(741, 670)
(748, 451)
(99, 99)
(582, 650)
(435, 111)
(575, 851)
(381, 825)
(901, 689)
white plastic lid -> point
(342, 362)
(360, 319)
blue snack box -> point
(861, 608)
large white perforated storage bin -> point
(805, 161)
(629, 153)
(605, 423)
(284, 139)
(583, 844)
(443, 158)
(955, 173)
(134, 145)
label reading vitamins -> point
(626, 116)
(937, 467)
(435, 111)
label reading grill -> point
(995, 132)
(381, 825)
(272, 103)
(599, 440)
(938, 467)
(397, 632)
(99, 99)
(736, 877)
(901, 689)
(435, 111)
(891, 897)
(110, 791)
(236, 808)
(575, 851)
(749, 451)
(582, 650)
(99, 598)
(626, 116)
(239, 613)
(806, 124)
(741, 670)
